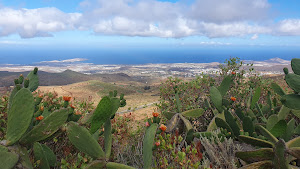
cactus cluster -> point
(22, 133)
(275, 153)
(293, 81)
(86, 141)
(182, 117)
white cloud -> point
(255, 36)
(210, 18)
(30, 23)
(289, 27)
(9, 42)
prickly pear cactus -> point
(256, 155)
(84, 141)
(33, 80)
(232, 123)
(51, 158)
(19, 115)
(255, 97)
(46, 127)
(111, 165)
(216, 98)
(101, 114)
(248, 125)
(96, 164)
(225, 85)
(40, 156)
(291, 101)
(293, 81)
(195, 113)
(295, 64)
(148, 145)
(8, 160)
(107, 138)
(255, 141)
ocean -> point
(144, 56)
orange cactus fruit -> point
(78, 113)
(147, 124)
(155, 114)
(233, 98)
(42, 108)
(163, 127)
(71, 105)
(233, 72)
(157, 143)
(67, 98)
(39, 118)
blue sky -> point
(88, 24)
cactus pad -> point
(216, 98)
(259, 165)
(96, 164)
(255, 97)
(111, 165)
(195, 113)
(295, 63)
(248, 125)
(255, 141)
(225, 85)
(148, 145)
(46, 127)
(101, 114)
(279, 128)
(267, 134)
(107, 138)
(291, 101)
(277, 89)
(8, 160)
(272, 120)
(40, 155)
(19, 115)
(256, 155)
(33, 81)
(51, 158)
(293, 143)
(293, 81)
(84, 141)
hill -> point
(63, 78)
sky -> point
(73, 24)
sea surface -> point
(144, 56)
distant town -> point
(272, 66)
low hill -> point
(63, 78)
